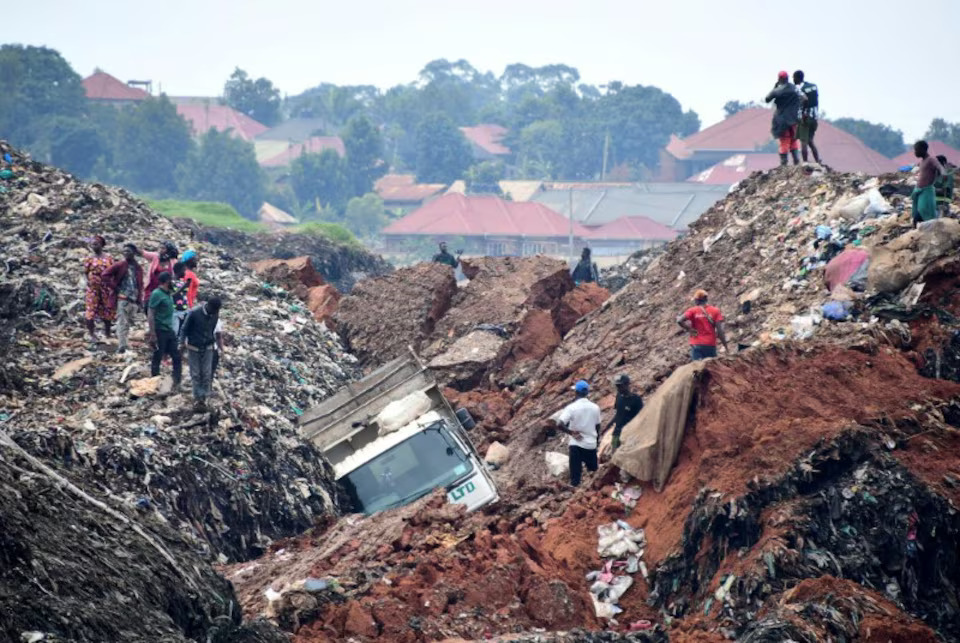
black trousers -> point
(578, 457)
(167, 345)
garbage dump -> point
(78, 566)
(231, 480)
(341, 265)
(300, 277)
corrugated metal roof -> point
(674, 205)
(487, 137)
(221, 118)
(102, 86)
(637, 227)
(271, 214)
(456, 214)
(749, 130)
(516, 190)
(313, 145)
(937, 148)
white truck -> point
(393, 438)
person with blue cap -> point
(190, 261)
(581, 421)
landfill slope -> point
(341, 265)
(77, 568)
(230, 481)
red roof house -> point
(402, 190)
(748, 132)
(313, 145)
(735, 169)
(485, 140)
(222, 118)
(633, 228)
(101, 87)
(937, 148)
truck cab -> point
(393, 438)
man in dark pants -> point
(585, 271)
(581, 421)
(809, 113)
(704, 324)
(626, 408)
(199, 337)
(162, 337)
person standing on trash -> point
(581, 421)
(160, 262)
(191, 261)
(924, 195)
(444, 256)
(704, 324)
(179, 293)
(161, 336)
(627, 406)
(585, 271)
(199, 338)
(786, 117)
(124, 279)
(98, 304)
(809, 112)
(944, 186)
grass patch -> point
(333, 231)
(215, 215)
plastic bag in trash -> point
(837, 310)
(557, 463)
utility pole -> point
(606, 153)
(570, 251)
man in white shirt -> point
(581, 421)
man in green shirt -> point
(162, 337)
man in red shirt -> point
(705, 325)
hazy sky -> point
(888, 61)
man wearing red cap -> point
(704, 324)
(788, 102)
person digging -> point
(581, 421)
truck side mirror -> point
(465, 419)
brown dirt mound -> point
(296, 275)
(383, 316)
(579, 302)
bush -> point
(215, 215)
(332, 231)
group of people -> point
(581, 418)
(795, 118)
(166, 291)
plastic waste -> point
(837, 310)
(558, 464)
(400, 413)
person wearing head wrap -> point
(124, 279)
(704, 324)
(190, 261)
(98, 303)
(786, 117)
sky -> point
(886, 61)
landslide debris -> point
(77, 567)
(230, 481)
(300, 277)
(341, 265)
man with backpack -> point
(704, 324)
(809, 114)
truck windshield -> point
(408, 471)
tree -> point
(484, 178)
(258, 99)
(878, 137)
(731, 107)
(364, 148)
(75, 144)
(151, 141)
(223, 169)
(941, 130)
(365, 215)
(443, 154)
(321, 179)
(36, 84)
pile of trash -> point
(341, 265)
(616, 541)
(615, 278)
(79, 566)
(231, 480)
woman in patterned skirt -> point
(97, 298)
